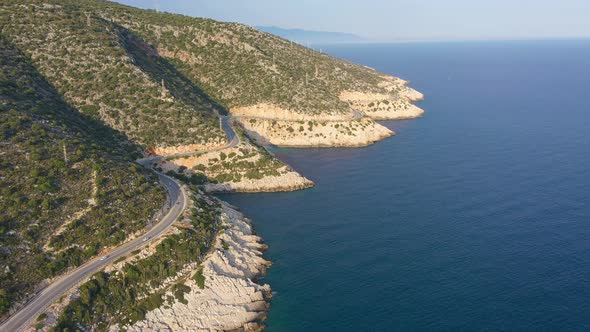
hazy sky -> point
(400, 19)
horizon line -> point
(498, 39)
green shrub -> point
(199, 278)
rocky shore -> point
(271, 124)
(271, 111)
(288, 181)
(231, 299)
(235, 165)
(382, 106)
(313, 133)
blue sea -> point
(475, 217)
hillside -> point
(110, 75)
(159, 78)
(242, 66)
(65, 192)
(254, 75)
(89, 86)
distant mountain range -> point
(305, 37)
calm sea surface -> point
(474, 217)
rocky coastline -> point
(315, 133)
(289, 181)
(231, 299)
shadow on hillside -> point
(158, 68)
(55, 108)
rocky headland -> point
(90, 85)
(244, 168)
(315, 133)
(272, 124)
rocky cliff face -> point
(381, 106)
(314, 133)
(244, 168)
(164, 151)
(391, 99)
(385, 105)
(271, 111)
(231, 300)
(288, 181)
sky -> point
(391, 20)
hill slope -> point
(242, 66)
(110, 75)
(85, 85)
(262, 76)
(65, 193)
(159, 77)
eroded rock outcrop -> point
(312, 133)
(231, 300)
(244, 168)
(288, 181)
(272, 111)
(168, 150)
(382, 106)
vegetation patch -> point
(50, 152)
(125, 296)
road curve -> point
(232, 136)
(176, 198)
(40, 302)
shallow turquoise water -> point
(474, 217)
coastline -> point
(291, 181)
(176, 104)
(231, 299)
(234, 300)
(354, 133)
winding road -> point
(177, 200)
(40, 302)
(232, 136)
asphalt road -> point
(232, 136)
(177, 199)
(51, 293)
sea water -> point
(474, 217)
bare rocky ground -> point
(231, 299)
(270, 124)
